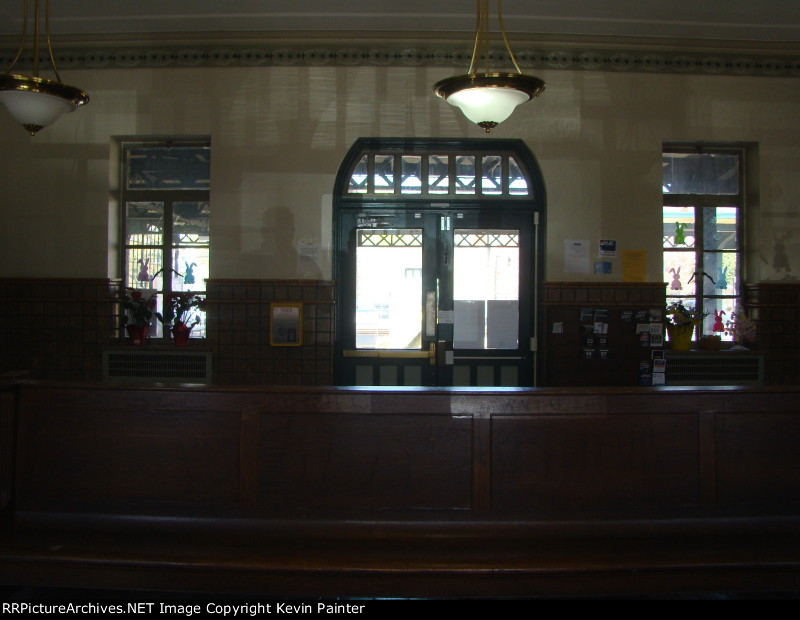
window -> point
(165, 211)
(426, 175)
(703, 190)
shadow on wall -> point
(276, 251)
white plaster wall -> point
(279, 134)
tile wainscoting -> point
(58, 329)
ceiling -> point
(766, 22)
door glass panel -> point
(486, 289)
(389, 288)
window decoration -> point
(486, 239)
(409, 239)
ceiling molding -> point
(614, 54)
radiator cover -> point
(714, 369)
(160, 365)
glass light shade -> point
(487, 104)
(36, 103)
(488, 98)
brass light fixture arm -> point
(505, 37)
(18, 55)
(50, 45)
(22, 37)
(36, 37)
(482, 37)
(477, 47)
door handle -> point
(430, 314)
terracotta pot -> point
(180, 334)
(137, 334)
(680, 337)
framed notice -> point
(286, 324)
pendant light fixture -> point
(488, 98)
(32, 101)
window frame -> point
(701, 203)
(167, 197)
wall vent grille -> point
(160, 366)
(714, 369)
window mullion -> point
(699, 249)
(168, 244)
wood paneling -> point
(364, 461)
(390, 453)
(310, 492)
(758, 459)
(602, 464)
(76, 455)
(7, 406)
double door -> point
(434, 296)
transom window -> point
(457, 175)
(703, 204)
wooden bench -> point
(403, 492)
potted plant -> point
(181, 315)
(682, 321)
(139, 306)
(742, 328)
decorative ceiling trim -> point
(620, 59)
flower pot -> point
(180, 334)
(137, 334)
(680, 337)
(709, 343)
